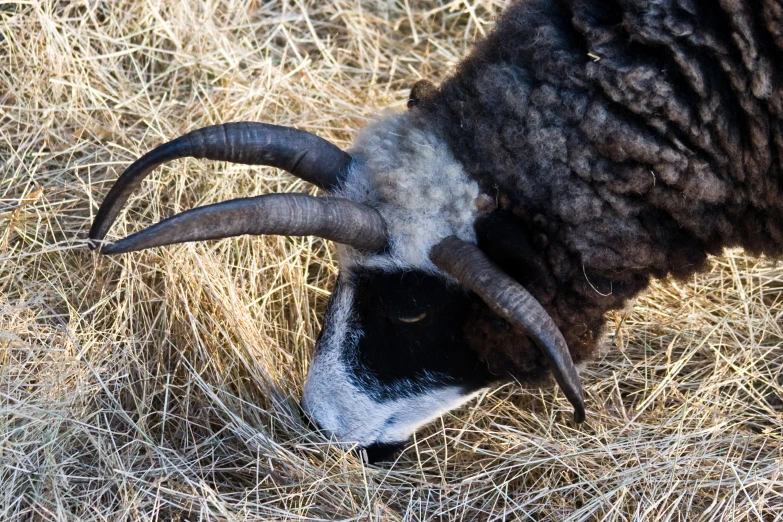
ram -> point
(581, 149)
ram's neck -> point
(629, 142)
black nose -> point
(382, 451)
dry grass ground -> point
(162, 385)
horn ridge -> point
(470, 266)
(301, 153)
(336, 219)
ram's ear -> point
(421, 91)
(502, 237)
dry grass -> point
(163, 385)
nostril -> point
(382, 451)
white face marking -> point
(349, 412)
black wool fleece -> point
(623, 140)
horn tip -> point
(579, 413)
(112, 249)
(94, 238)
(96, 234)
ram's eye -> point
(413, 319)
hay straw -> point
(162, 385)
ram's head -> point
(397, 348)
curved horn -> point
(507, 298)
(340, 220)
(305, 155)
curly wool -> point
(626, 140)
(403, 170)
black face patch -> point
(412, 333)
(382, 452)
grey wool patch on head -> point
(406, 172)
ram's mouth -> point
(381, 451)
